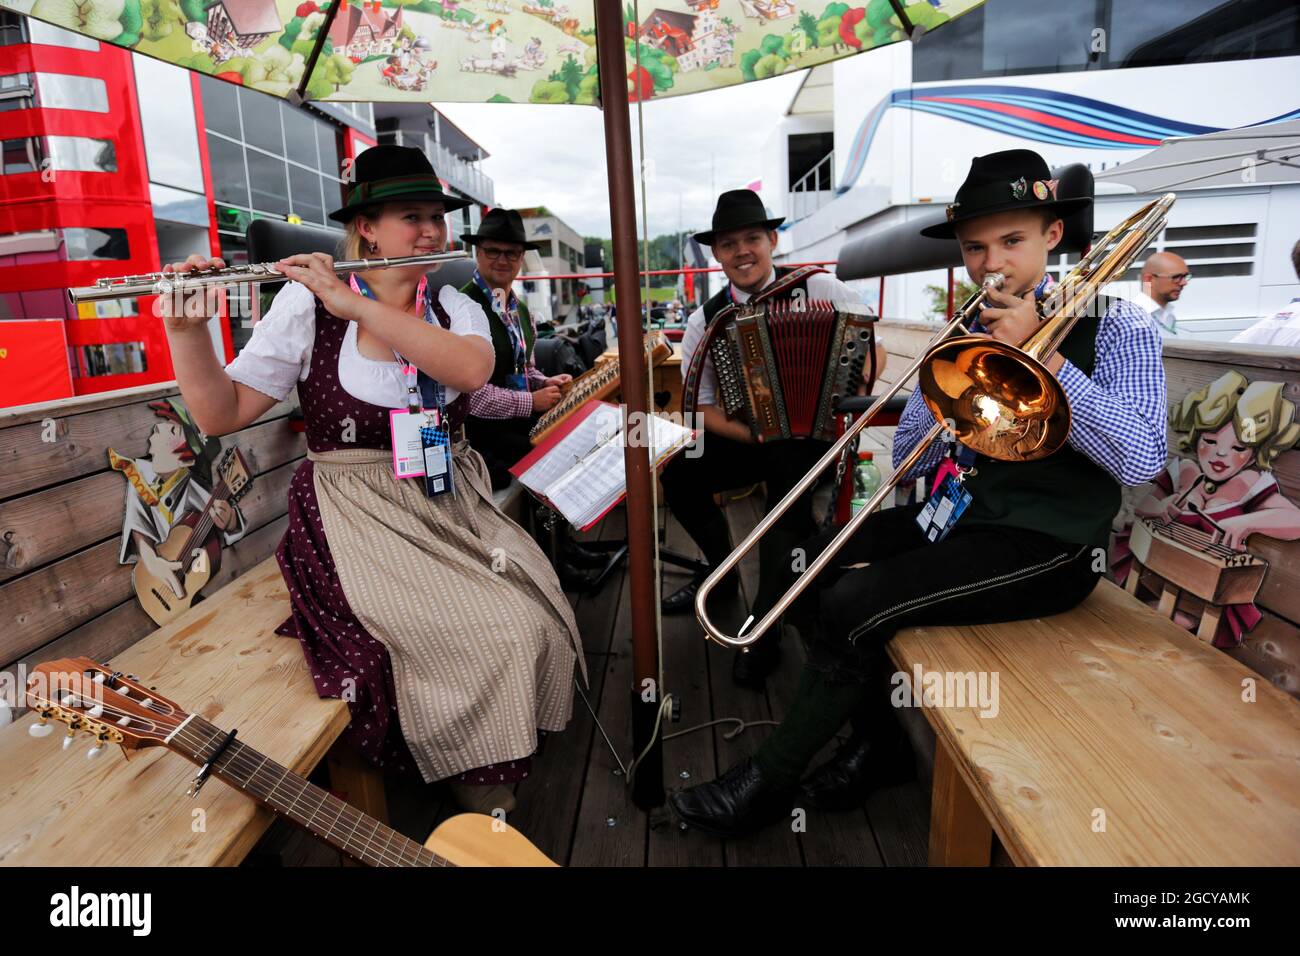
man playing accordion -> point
(743, 239)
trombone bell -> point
(998, 400)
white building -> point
(875, 140)
(561, 253)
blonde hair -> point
(1262, 419)
(352, 243)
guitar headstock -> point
(107, 705)
(234, 471)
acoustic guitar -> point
(114, 708)
(192, 543)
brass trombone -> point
(994, 398)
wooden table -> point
(221, 659)
(1119, 740)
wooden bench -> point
(63, 594)
(1120, 738)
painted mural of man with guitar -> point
(172, 509)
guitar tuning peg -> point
(42, 729)
(96, 711)
(95, 751)
(67, 741)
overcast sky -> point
(554, 156)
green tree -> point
(319, 86)
(548, 91)
(660, 65)
(199, 62)
(828, 32)
(159, 18)
(336, 70)
(961, 291)
(808, 23)
(104, 21)
(771, 58)
(304, 47)
(589, 88)
(571, 77)
(274, 70)
(132, 21)
(196, 9)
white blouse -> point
(278, 355)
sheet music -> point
(585, 436)
(582, 476)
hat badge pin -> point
(1019, 188)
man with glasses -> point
(1164, 275)
(503, 411)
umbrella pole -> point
(611, 59)
(299, 96)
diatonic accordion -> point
(785, 364)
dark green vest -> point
(501, 345)
(1066, 494)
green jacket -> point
(501, 344)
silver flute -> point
(168, 283)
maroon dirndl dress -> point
(340, 654)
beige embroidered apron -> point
(482, 640)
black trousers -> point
(978, 574)
(501, 442)
(724, 464)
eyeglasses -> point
(1176, 276)
(510, 255)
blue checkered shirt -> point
(1118, 414)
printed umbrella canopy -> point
(505, 51)
(496, 51)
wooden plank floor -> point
(576, 807)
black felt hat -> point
(737, 209)
(501, 225)
(391, 174)
(999, 182)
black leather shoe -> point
(683, 599)
(580, 557)
(737, 803)
(752, 665)
(576, 579)
(859, 766)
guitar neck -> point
(322, 814)
(205, 523)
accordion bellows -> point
(785, 365)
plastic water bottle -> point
(866, 481)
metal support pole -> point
(646, 694)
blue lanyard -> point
(509, 318)
(429, 392)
